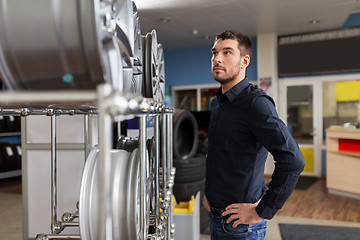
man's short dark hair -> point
(243, 40)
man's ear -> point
(245, 61)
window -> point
(341, 103)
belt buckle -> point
(216, 212)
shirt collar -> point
(234, 91)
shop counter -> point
(343, 161)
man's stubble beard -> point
(226, 80)
(229, 79)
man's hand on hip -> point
(242, 213)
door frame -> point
(317, 118)
(316, 82)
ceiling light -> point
(165, 20)
(315, 21)
(195, 32)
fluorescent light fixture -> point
(161, 4)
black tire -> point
(184, 191)
(145, 73)
(9, 154)
(190, 169)
(127, 144)
(185, 132)
(2, 163)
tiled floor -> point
(11, 215)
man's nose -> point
(218, 58)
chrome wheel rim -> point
(159, 88)
(137, 79)
(125, 179)
(80, 51)
(154, 68)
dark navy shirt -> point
(244, 127)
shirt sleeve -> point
(274, 135)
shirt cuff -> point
(265, 212)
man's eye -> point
(226, 53)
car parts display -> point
(79, 47)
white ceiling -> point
(251, 17)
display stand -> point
(343, 162)
(188, 223)
(109, 105)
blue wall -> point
(353, 20)
(191, 66)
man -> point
(244, 127)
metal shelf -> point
(10, 134)
(49, 99)
(10, 174)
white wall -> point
(36, 170)
(267, 68)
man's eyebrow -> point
(225, 48)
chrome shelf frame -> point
(110, 105)
(114, 105)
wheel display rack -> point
(110, 105)
(95, 62)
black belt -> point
(216, 212)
